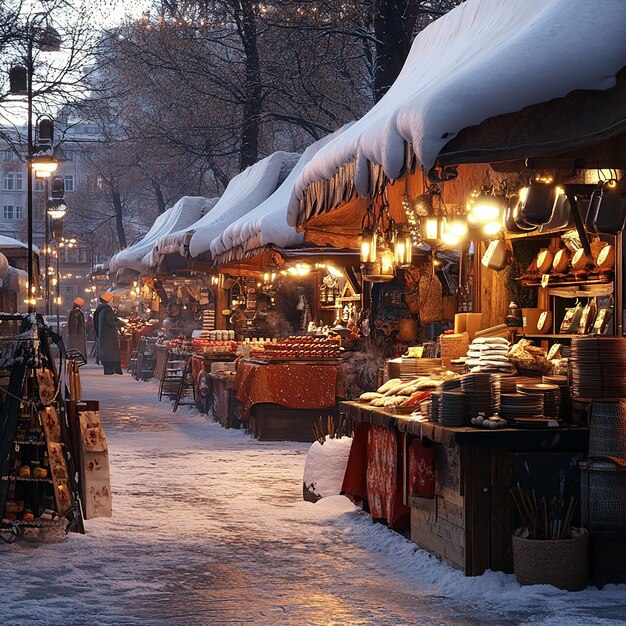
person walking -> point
(107, 324)
(76, 335)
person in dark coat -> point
(106, 325)
(101, 305)
(76, 336)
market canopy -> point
(183, 214)
(8, 243)
(266, 224)
(245, 192)
(485, 58)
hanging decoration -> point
(383, 246)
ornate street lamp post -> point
(46, 39)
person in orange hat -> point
(107, 325)
(76, 336)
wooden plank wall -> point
(437, 525)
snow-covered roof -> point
(267, 223)
(7, 243)
(244, 192)
(482, 59)
(183, 214)
(172, 242)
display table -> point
(451, 486)
(283, 401)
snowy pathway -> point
(209, 528)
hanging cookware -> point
(538, 204)
(519, 220)
(611, 213)
(508, 221)
(592, 210)
(561, 217)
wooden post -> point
(221, 303)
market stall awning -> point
(8, 243)
(183, 214)
(266, 224)
(172, 242)
(483, 59)
(245, 192)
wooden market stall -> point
(545, 159)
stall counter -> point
(451, 486)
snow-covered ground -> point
(209, 527)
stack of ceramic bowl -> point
(477, 387)
(597, 367)
(514, 405)
(550, 393)
(566, 400)
(435, 406)
(453, 408)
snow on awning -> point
(244, 193)
(184, 213)
(172, 243)
(267, 223)
(482, 59)
(8, 243)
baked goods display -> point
(405, 396)
(300, 348)
(211, 347)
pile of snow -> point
(326, 465)
(484, 58)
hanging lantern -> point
(403, 247)
(368, 245)
(484, 206)
(382, 270)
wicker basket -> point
(560, 562)
(603, 494)
(607, 429)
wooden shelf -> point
(551, 336)
(566, 283)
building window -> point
(8, 155)
(19, 212)
(82, 255)
(70, 155)
(8, 182)
(69, 182)
(8, 212)
(18, 181)
(38, 185)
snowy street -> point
(209, 527)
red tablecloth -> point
(374, 473)
(295, 386)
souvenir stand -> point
(46, 488)
(540, 191)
